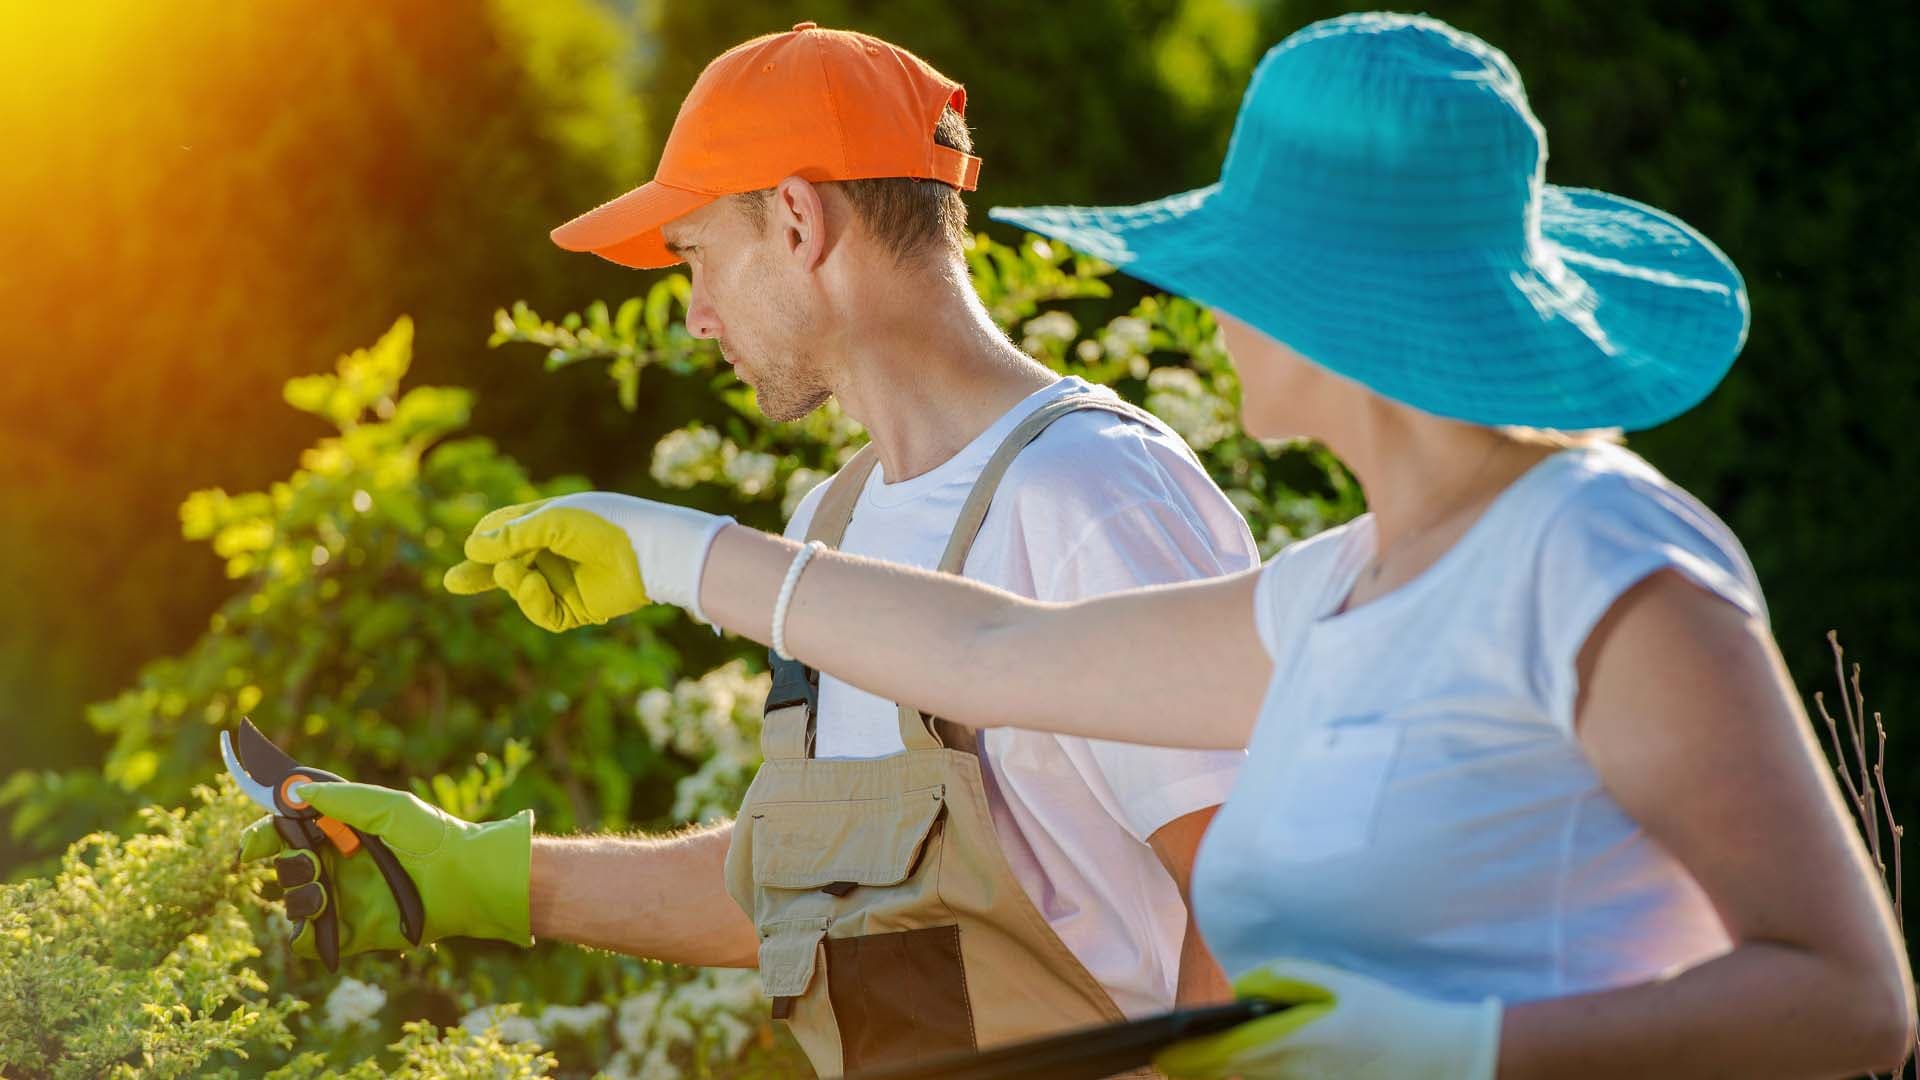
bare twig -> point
(1871, 803)
(1839, 756)
(1872, 820)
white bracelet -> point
(786, 596)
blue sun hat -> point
(1383, 212)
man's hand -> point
(582, 560)
(473, 878)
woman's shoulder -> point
(1607, 500)
(1299, 582)
(1614, 522)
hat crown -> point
(1396, 130)
(821, 104)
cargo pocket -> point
(899, 996)
(792, 957)
(789, 953)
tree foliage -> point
(203, 199)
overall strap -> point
(786, 725)
(966, 528)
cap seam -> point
(833, 106)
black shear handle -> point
(302, 833)
(406, 896)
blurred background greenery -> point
(203, 201)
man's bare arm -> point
(661, 898)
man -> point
(812, 184)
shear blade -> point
(254, 789)
(263, 761)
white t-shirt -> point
(1416, 806)
(1098, 503)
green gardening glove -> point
(473, 878)
(1343, 1026)
(584, 559)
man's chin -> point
(783, 410)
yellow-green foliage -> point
(137, 960)
(132, 959)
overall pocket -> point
(837, 846)
(899, 996)
(851, 886)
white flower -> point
(1042, 334)
(513, 1028)
(634, 1021)
(573, 1019)
(751, 472)
(732, 1033)
(621, 1067)
(686, 457)
(353, 1004)
(1054, 324)
(799, 482)
(1126, 336)
(1245, 501)
(657, 1066)
(653, 707)
(1177, 395)
(673, 1028)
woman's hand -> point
(1343, 1025)
(581, 560)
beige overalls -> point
(891, 927)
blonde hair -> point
(1557, 439)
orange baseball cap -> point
(819, 104)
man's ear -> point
(800, 218)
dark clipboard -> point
(1087, 1054)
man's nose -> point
(702, 320)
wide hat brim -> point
(1614, 314)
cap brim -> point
(626, 230)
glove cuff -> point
(669, 544)
(1472, 1042)
(701, 549)
(501, 906)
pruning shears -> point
(271, 779)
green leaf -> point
(627, 318)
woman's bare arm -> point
(1176, 665)
(1687, 713)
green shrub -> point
(134, 960)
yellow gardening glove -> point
(581, 560)
(1343, 1026)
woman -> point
(1528, 791)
